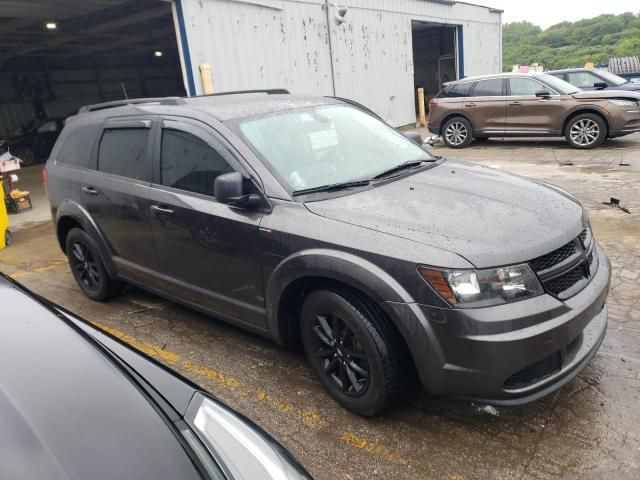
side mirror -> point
(600, 85)
(227, 188)
(543, 94)
(414, 137)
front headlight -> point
(624, 103)
(483, 288)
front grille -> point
(558, 285)
(550, 259)
(535, 373)
(566, 270)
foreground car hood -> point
(604, 94)
(489, 217)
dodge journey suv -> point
(310, 221)
(531, 105)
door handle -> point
(90, 190)
(161, 210)
(469, 104)
(515, 104)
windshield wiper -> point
(333, 187)
(410, 165)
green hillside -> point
(571, 44)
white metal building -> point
(58, 55)
(374, 51)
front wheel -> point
(352, 353)
(586, 131)
(457, 133)
(87, 267)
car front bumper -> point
(509, 354)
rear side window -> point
(122, 152)
(488, 88)
(189, 163)
(76, 149)
(456, 91)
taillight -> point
(433, 104)
(45, 175)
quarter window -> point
(77, 147)
(456, 91)
(122, 152)
(524, 86)
(488, 88)
(582, 79)
(189, 163)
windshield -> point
(612, 78)
(327, 145)
(560, 86)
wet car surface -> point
(589, 429)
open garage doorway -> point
(435, 56)
(57, 56)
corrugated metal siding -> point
(285, 43)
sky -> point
(549, 12)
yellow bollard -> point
(207, 79)
(421, 108)
(5, 235)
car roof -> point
(223, 107)
(580, 69)
(494, 75)
(67, 410)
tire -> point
(87, 267)
(585, 131)
(352, 351)
(8, 238)
(26, 154)
(457, 132)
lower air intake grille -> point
(534, 373)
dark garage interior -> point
(434, 56)
(57, 55)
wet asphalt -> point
(590, 429)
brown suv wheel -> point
(457, 132)
(586, 130)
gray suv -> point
(310, 221)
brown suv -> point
(530, 105)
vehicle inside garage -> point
(434, 56)
(56, 56)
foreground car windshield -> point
(328, 145)
(560, 86)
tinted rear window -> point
(488, 88)
(122, 152)
(456, 91)
(77, 147)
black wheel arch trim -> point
(366, 278)
(585, 109)
(71, 210)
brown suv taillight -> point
(433, 104)
(45, 175)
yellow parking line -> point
(311, 418)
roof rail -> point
(272, 91)
(131, 101)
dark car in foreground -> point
(595, 79)
(33, 142)
(76, 403)
(530, 105)
(309, 220)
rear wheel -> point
(8, 238)
(351, 351)
(26, 154)
(87, 267)
(585, 131)
(457, 132)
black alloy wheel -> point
(84, 265)
(341, 355)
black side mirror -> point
(414, 137)
(543, 94)
(600, 85)
(227, 188)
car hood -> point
(489, 217)
(608, 93)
